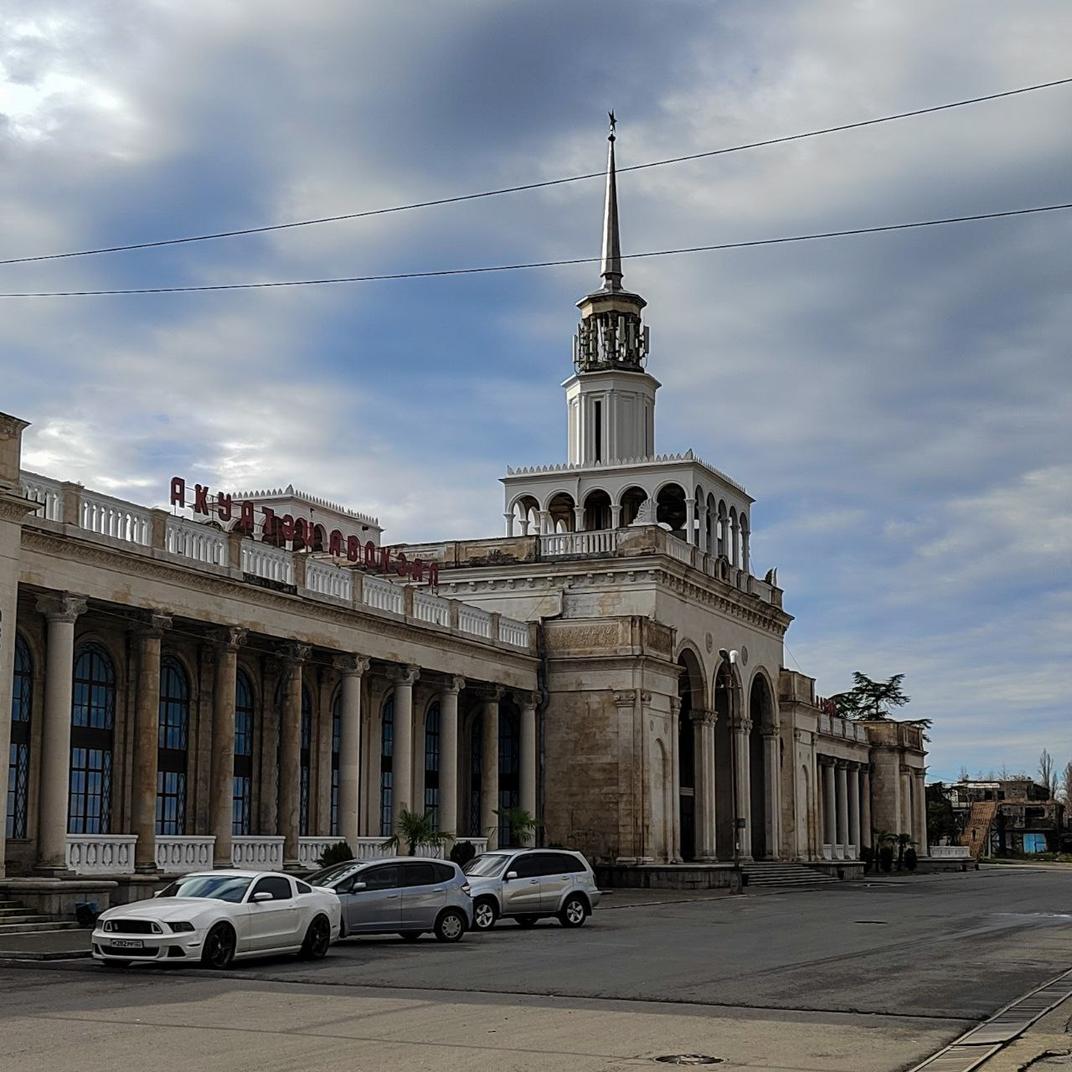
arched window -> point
(509, 768)
(172, 735)
(431, 764)
(18, 771)
(242, 792)
(387, 751)
(336, 738)
(306, 748)
(89, 808)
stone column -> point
(509, 523)
(773, 803)
(865, 805)
(921, 814)
(404, 678)
(615, 515)
(690, 520)
(290, 753)
(352, 668)
(854, 809)
(829, 806)
(673, 849)
(842, 806)
(60, 611)
(448, 754)
(528, 757)
(904, 815)
(489, 775)
(578, 519)
(147, 741)
(545, 523)
(742, 833)
(703, 723)
(221, 787)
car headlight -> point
(107, 925)
(181, 927)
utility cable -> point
(486, 269)
(239, 232)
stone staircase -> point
(765, 873)
(16, 918)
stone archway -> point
(691, 700)
(763, 769)
(725, 781)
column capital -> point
(61, 606)
(740, 724)
(768, 731)
(154, 626)
(404, 675)
(675, 706)
(453, 685)
(231, 638)
(295, 653)
(525, 698)
(824, 761)
(351, 665)
(490, 693)
(625, 697)
(701, 717)
(842, 764)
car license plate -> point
(126, 943)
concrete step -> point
(772, 873)
(37, 923)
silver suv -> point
(529, 884)
(405, 895)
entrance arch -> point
(690, 692)
(763, 768)
(725, 807)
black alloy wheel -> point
(525, 922)
(485, 914)
(450, 927)
(317, 939)
(574, 911)
(219, 948)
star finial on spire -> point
(611, 266)
(613, 123)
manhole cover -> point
(688, 1059)
(874, 922)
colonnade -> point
(62, 610)
(845, 807)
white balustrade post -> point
(448, 754)
(528, 758)
(61, 611)
(402, 763)
(353, 668)
(489, 780)
(147, 741)
(221, 787)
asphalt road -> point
(857, 977)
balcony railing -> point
(383, 595)
(47, 492)
(199, 542)
(558, 544)
(257, 853)
(511, 631)
(271, 563)
(179, 855)
(101, 854)
(475, 621)
(112, 517)
(431, 608)
(329, 580)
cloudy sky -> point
(898, 405)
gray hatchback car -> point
(405, 895)
(529, 884)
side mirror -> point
(263, 896)
(354, 887)
(510, 875)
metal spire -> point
(611, 267)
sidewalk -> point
(1048, 1037)
(45, 945)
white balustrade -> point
(310, 849)
(47, 492)
(329, 580)
(511, 631)
(557, 544)
(827, 851)
(431, 608)
(950, 852)
(824, 724)
(101, 854)
(376, 848)
(179, 855)
(271, 563)
(197, 541)
(257, 853)
(475, 621)
(680, 550)
(112, 517)
(383, 595)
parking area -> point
(857, 976)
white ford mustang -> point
(215, 916)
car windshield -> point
(339, 875)
(321, 877)
(486, 866)
(213, 887)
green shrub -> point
(461, 852)
(910, 859)
(338, 853)
(885, 858)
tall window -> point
(509, 769)
(174, 723)
(18, 773)
(242, 793)
(336, 737)
(476, 770)
(387, 751)
(306, 748)
(92, 726)
(431, 763)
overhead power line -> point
(239, 232)
(486, 269)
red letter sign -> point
(178, 491)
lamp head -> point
(729, 656)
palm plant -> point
(521, 824)
(903, 841)
(413, 829)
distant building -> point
(1006, 817)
